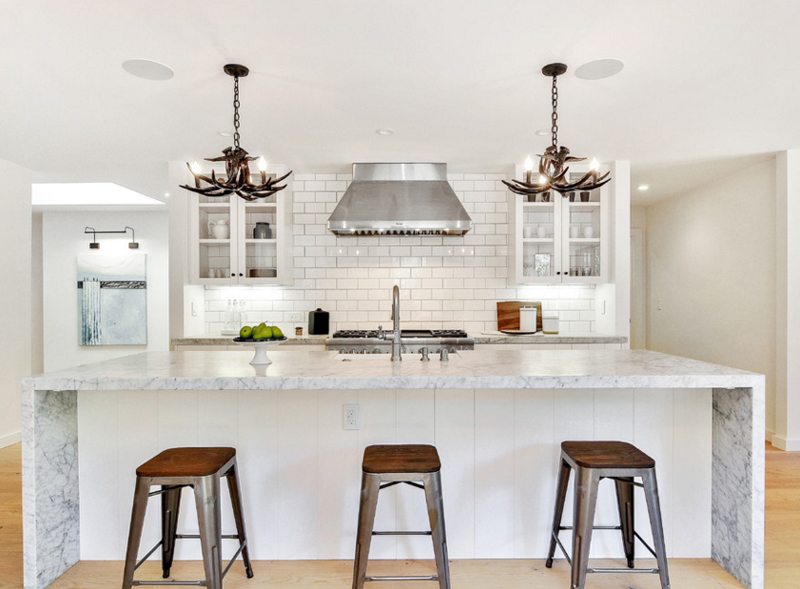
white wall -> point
(37, 295)
(712, 275)
(445, 281)
(15, 296)
(63, 240)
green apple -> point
(246, 332)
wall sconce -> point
(95, 246)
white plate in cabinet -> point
(560, 241)
(226, 261)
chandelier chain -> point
(554, 116)
(236, 111)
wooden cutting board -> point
(508, 314)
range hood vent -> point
(399, 199)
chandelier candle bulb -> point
(262, 166)
(528, 169)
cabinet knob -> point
(240, 274)
(233, 273)
(558, 273)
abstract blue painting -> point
(112, 299)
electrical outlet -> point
(351, 415)
(194, 309)
(658, 304)
(294, 316)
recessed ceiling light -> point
(166, 194)
(225, 133)
(643, 187)
(599, 69)
(543, 132)
(148, 69)
(385, 131)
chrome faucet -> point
(396, 334)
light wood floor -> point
(782, 554)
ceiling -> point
(712, 82)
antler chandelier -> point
(237, 161)
(553, 164)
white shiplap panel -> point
(177, 426)
(298, 519)
(379, 426)
(138, 443)
(534, 471)
(217, 413)
(339, 479)
(494, 473)
(97, 464)
(692, 474)
(653, 435)
(455, 440)
(415, 425)
(574, 420)
(613, 420)
(259, 471)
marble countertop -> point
(487, 337)
(490, 368)
(498, 337)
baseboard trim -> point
(790, 445)
(770, 435)
(10, 439)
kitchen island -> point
(496, 416)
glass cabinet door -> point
(215, 252)
(540, 238)
(259, 226)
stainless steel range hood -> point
(402, 199)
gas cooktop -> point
(406, 333)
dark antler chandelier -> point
(553, 164)
(237, 161)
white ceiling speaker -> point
(599, 69)
(148, 69)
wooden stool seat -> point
(406, 458)
(607, 455)
(186, 462)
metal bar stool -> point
(592, 462)
(200, 469)
(386, 466)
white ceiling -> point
(710, 81)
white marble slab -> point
(485, 369)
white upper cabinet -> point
(561, 240)
(223, 247)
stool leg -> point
(140, 496)
(370, 486)
(206, 496)
(433, 497)
(170, 507)
(625, 507)
(236, 502)
(654, 510)
(561, 496)
(586, 481)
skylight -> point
(87, 194)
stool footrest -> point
(409, 578)
(402, 533)
(625, 570)
(193, 583)
(197, 537)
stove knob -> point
(354, 351)
(376, 351)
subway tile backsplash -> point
(446, 282)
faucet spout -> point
(397, 352)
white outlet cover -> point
(351, 416)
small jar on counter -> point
(549, 323)
(298, 331)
